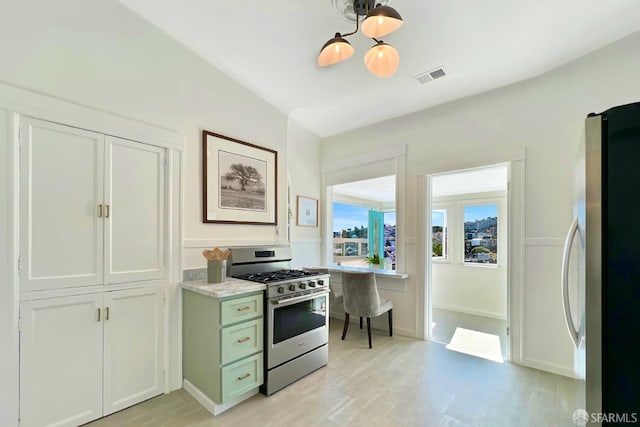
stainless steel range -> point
(296, 310)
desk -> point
(389, 274)
(397, 284)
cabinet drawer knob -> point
(244, 377)
(246, 307)
(98, 315)
(245, 339)
(106, 313)
(99, 211)
(106, 215)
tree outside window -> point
(439, 234)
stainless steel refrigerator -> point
(601, 266)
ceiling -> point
(470, 181)
(382, 189)
(271, 48)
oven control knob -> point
(320, 282)
(280, 290)
(303, 285)
(312, 284)
(292, 287)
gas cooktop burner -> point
(277, 276)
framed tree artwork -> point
(239, 181)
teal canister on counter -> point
(216, 271)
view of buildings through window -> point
(481, 234)
(350, 235)
(439, 234)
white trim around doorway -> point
(515, 248)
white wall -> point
(543, 117)
(475, 289)
(303, 150)
(8, 295)
(102, 55)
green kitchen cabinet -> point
(222, 344)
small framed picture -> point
(307, 209)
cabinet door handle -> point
(246, 307)
(106, 215)
(245, 339)
(98, 315)
(244, 377)
(106, 313)
(99, 211)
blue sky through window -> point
(473, 213)
(349, 216)
(437, 218)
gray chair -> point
(361, 298)
(337, 294)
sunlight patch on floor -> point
(474, 343)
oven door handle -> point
(299, 298)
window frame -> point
(445, 258)
(385, 160)
(497, 202)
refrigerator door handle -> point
(566, 254)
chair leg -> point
(369, 330)
(390, 323)
(346, 325)
(361, 323)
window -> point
(439, 234)
(481, 234)
(349, 232)
(364, 223)
(390, 238)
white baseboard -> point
(471, 311)
(548, 367)
(210, 405)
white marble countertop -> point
(392, 274)
(230, 287)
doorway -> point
(467, 252)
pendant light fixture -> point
(382, 59)
(335, 50)
(380, 21)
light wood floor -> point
(446, 322)
(400, 382)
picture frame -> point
(306, 211)
(239, 181)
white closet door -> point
(135, 228)
(133, 347)
(61, 190)
(61, 361)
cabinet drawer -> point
(241, 340)
(239, 309)
(241, 377)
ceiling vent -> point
(427, 76)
